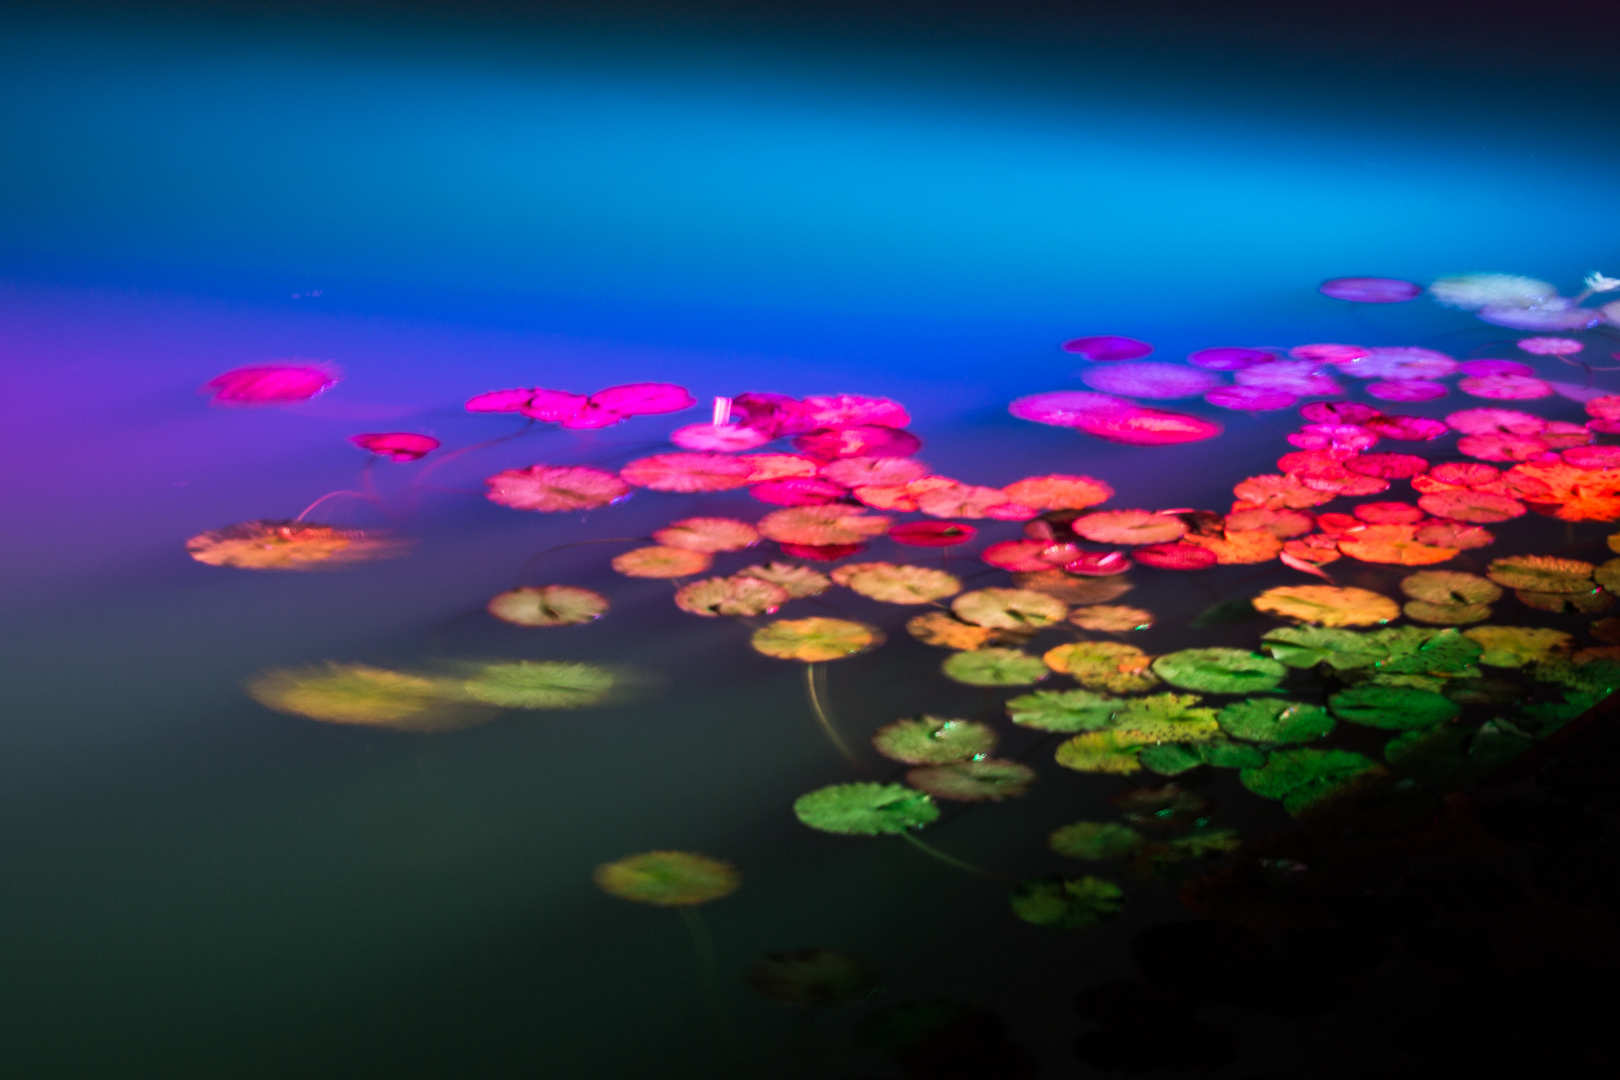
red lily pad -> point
(1149, 427)
(1099, 564)
(1407, 390)
(1028, 556)
(1371, 290)
(1455, 534)
(1389, 513)
(1338, 412)
(1465, 473)
(1387, 466)
(688, 473)
(870, 440)
(1345, 437)
(1107, 347)
(797, 491)
(1150, 380)
(1176, 556)
(1604, 408)
(1228, 358)
(1130, 527)
(935, 534)
(1501, 447)
(775, 414)
(1406, 428)
(397, 445)
(821, 552)
(270, 384)
(1496, 422)
(1250, 398)
(1473, 507)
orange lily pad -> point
(662, 562)
(1394, 544)
(822, 526)
(1058, 492)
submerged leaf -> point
(376, 697)
(989, 780)
(1096, 841)
(994, 667)
(291, 545)
(1219, 671)
(865, 809)
(539, 684)
(814, 639)
(1064, 710)
(1396, 708)
(1275, 720)
(1064, 903)
(929, 740)
(668, 878)
(897, 584)
(1328, 605)
(548, 605)
(817, 978)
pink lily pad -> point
(397, 445)
(1501, 447)
(797, 491)
(932, 533)
(1407, 428)
(1328, 352)
(1099, 564)
(1295, 377)
(1228, 358)
(1177, 556)
(823, 552)
(851, 410)
(1371, 290)
(1495, 367)
(869, 440)
(500, 401)
(1025, 556)
(858, 471)
(644, 399)
(1250, 398)
(688, 473)
(723, 438)
(1387, 466)
(1107, 347)
(1504, 387)
(1150, 380)
(1549, 317)
(1065, 408)
(1400, 362)
(1339, 412)
(1551, 346)
(1348, 437)
(776, 414)
(1592, 457)
(1149, 427)
(270, 384)
(1407, 390)
(1604, 408)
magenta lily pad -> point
(1151, 380)
(1107, 347)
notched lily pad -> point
(994, 667)
(948, 632)
(1307, 646)
(1275, 720)
(1516, 646)
(1302, 778)
(735, 596)
(1104, 665)
(1099, 752)
(815, 639)
(1009, 609)
(1096, 841)
(1394, 708)
(1541, 573)
(1113, 619)
(1066, 903)
(990, 780)
(1450, 587)
(662, 562)
(548, 605)
(929, 740)
(798, 581)
(1328, 605)
(668, 878)
(894, 583)
(814, 978)
(865, 809)
(1219, 670)
(1065, 711)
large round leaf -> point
(1065, 903)
(994, 667)
(1541, 573)
(1165, 718)
(662, 562)
(1064, 710)
(739, 596)
(548, 605)
(1303, 777)
(973, 781)
(865, 809)
(1274, 720)
(375, 697)
(797, 581)
(1100, 752)
(897, 584)
(929, 740)
(1114, 619)
(668, 878)
(948, 632)
(1328, 605)
(1104, 665)
(1516, 646)
(1394, 708)
(539, 684)
(1219, 671)
(815, 639)
(1307, 646)
(1009, 609)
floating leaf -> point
(291, 545)
(1417, 651)
(948, 632)
(1103, 665)
(929, 740)
(1451, 534)
(710, 534)
(989, 780)
(539, 684)
(797, 581)
(1449, 587)
(1275, 720)
(1009, 609)
(1099, 752)
(1064, 710)
(1445, 614)
(1396, 708)
(1281, 523)
(865, 809)
(1107, 347)
(815, 639)
(897, 584)
(1129, 527)
(1239, 547)
(270, 384)
(1064, 903)
(822, 525)
(668, 878)
(1304, 777)
(1393, 544)
(736, 596)
(1058, 492)
(1171, 759)
(1307, 646)
(1541, 573)
(1149, 379)
(1074, 590)
(1096, 841)
(1179, 556)
(994, 667)
(1115, 620)
(1274, 492)
(1167, 806)
(1476, 507)
(1328, 605)
(1516, 646)
(397, 445)
(555, 488)
(687, 473)
(548, 605)
(1219, 670)
(1147, 427)
(375, 697)
(661, 562)
(816, 978)
(932, 533)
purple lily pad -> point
(1400, 362)
(1066, 408)
(1407, 390)
(1151, 380)
(1371, 290)
(1250, 398)
(1495, 367)
(1107, 347)
(1547, 317)
(1228, 358)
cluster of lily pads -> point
(1332, 699)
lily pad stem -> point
(815, 687)
(332, 495)
(703, 946)
(948, 860)
(585, 543)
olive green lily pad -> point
(1219, 671)
(1307, 646)
(668, 878)
(894, 583)
(990, 780)
(1165, 718)
(1275, 720)
(815, 639)
(539, 684)
(1445, 614)
(1608, 574)
(929, 740)
(1104, 665)
(1095, 840)
(815, 978)
(1589, 600)
(1304, 777)
(1393, 708)
(1009, 609)
(1450, 587)
(1516, 646)
(1064, 710)
(865, 809)
(1099, 751)
(369, 696)
(994, 667)
(1328, 605)
(1066, 903)
(1541, 573)
(1170, 759)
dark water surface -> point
(194, 885)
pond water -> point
(198, 885)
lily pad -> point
(1064, 711)
(1009, 609)
(1167, 806)
(822, 526)
(539, 684)
(989, 780)
(548, 605)
(948, 632)
(1541, 573)
(1393, 708)
(555, 488)
(1516, 646)
(929, 740)
(709, 534)
(798, 581)
(1096, 841)
(1328, 605)
(1162, 718)
(816, 978)
(1071, 589)
(1307, 646)
(1104, 665)
(1445, 614)
(662, 562)
(897, 584)
(815, 639)
(865, 809)
(1099, 752)
(1275, 720)
(1170, 759)
(374, 697)
(1130, 527)
(1304, 777)
(995, 667)
(1065, 903)
(1115, 619)
(1450, 587)
(668, 878)
(291, 545)
(1416, 650)
(1219, 671)
(738, 596)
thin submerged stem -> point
(948, 860)
(815, 687)
(584, 543)
(332, 495)
(703, 946)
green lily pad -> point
(1307, 646)
(1165, 718)
(1203, 844)
(865, 809)
(1418, 651)
(994, 667)
(1516, 646)
(1173, 759)
(816, 978)
(668, 878)
(1596, 676)
(1099, 751)
(1549, 716)
(1219, 671)
(1304, 777)
(1170, 759)
(929, 740)
(1394, 708)
(1009, 609)
(990, 780)
(539, 684)
(1064, 710)
(1608, 574)
(815, 639)
(1274, 720)
(1066, 903)
(1541, 573)
(1095, 840)
(1103, 665)
(1450, 587)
